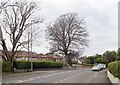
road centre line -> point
(49, 75)
(70, 77)
(30, 79)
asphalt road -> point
(81, 75)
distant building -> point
(23, 55)
(81, 60)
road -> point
(81, 75)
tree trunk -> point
(5, 51)
(11, 62)
(66, 57)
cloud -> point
(101, 18)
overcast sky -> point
(101, 17)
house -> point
(78, 60)
(81, 60)
(49, 56)
(23, 55)
(74, 59)
(59, 58)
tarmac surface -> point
(70, 76)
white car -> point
(103, 66)
(96, 68)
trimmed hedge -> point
(21, 64)
(37, 64)
(87, 64)
(114, 68)
(47, 64)
(6, 66)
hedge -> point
(21, 64)
(114, 68)
(87, 64)
(6, 66)
(47, 64)
(37, 64)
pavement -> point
(80, 75)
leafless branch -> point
(67, 33)
(17, 18)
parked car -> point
(103, 66)
(96, 68)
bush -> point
(6, 66)
(87, 64)
(22, 64)
(100, 60)
(37, 64)
(114, 68)
(47, 64)
(87, 61)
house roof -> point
(20, 54)
(25, 54)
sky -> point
(101, 20)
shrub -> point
(100, 60)
(47, 64)
(22, 64)
(87, 64)
(87, 61)
(37, 64)
(114, 68)
(6, 66)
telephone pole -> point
(28, 49)
(30, 54)
(31, 48)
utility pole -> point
(31, 48)
(28, 49)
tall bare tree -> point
(2, 6)
(67, 33)
(17, 18)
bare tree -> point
(67, 33)
(3, 5)
(17, 18)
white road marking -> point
(38, 77)
(60, 80)
(94, 76)
(19, 81)
(69, 71)
(56, 82)
(44, 76)
(59, 73)
(70, 77)
(31, 79)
